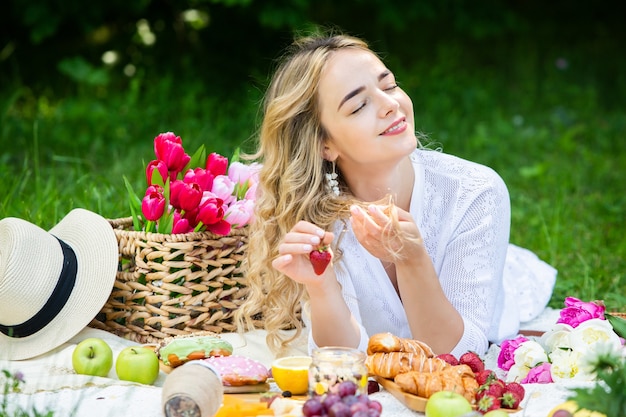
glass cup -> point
(332, 365)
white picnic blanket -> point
(52, 385)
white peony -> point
(557, 338)
(517, 373)
(592, 332)
(530, 354)
(568, 365)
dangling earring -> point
(331, 181)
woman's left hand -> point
(382, 237)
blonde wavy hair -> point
(292, 183)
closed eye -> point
(358, 108)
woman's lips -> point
(398, 126)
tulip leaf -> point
(135, 205)
(235, 157)
(157, 179)
(198, 159)
(166, 222)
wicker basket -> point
(169, 285)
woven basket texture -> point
(170, 285)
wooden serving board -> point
(409, 400)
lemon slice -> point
(291, 373)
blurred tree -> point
(233, 40)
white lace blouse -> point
(462, 210)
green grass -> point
(547, 131)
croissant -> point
(390, 364)
(388, 342)
(459, 378)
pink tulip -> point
(160, 167)
(211, 211)
(153, 203)
(181, 225)
(239, 172)
(175, 187)
(202, 177)
(251, 192)
(240, 213)
(220, 228)
(169, 149)
(216, 164)
(185, 196)
(211, 215)
(192, 216)
(223, 188)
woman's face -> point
(368, 118)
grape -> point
(373, 413)
(312, 407)
(372, 386)
(339, 409)
(349, 400)
(375, 405)
(361, 414)
(362, 398)
(330, 400)
(562, 413)
(354, 408)
(346, 388)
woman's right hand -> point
(297, 244)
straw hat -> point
(52, 284)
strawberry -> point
(494, 389)
(515, 387)
(320, 258)
(450, 358)
(513, 395)
(488, 403)
(486, 376)
(472, 360)
(510, 400)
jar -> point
(194, 389)
(332, 365)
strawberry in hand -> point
(320, 258)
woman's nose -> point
(388, 104)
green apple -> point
(496, 413)
(137, 364)
(92, 356)
(447, 404)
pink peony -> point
(540, 374)
(577, 311)
(506, 357)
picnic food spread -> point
(411, 371)
(407, 368)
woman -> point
(418, 238)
